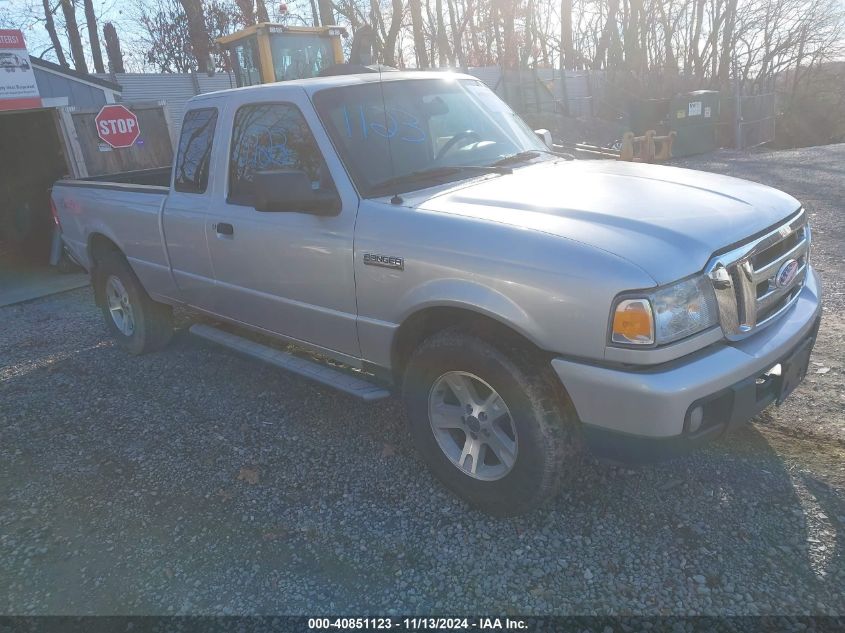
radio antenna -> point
(396, 199)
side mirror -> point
(290, 190)
(545, 136)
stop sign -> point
(117, 126)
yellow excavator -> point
(265, 53)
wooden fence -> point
(90, 156)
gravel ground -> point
(193, 481)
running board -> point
(317, 372)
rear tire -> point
(139, 324)
(509, 441)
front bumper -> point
(632, 412)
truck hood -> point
(666, 220)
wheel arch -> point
(427, 321)
(99, 246)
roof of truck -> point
(316, 84)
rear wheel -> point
(490, 421)
(138, 323)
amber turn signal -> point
(633, 323)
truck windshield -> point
(419, 128)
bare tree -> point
(567, 52)
(76, 50)
(389, 46)
(419, 36)
(113, 52)
(93, 36)
(247, 8)
(609, 37)
(50, 25)
(327, 12)
(197, 33)
(443, 52)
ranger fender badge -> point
(386, 261)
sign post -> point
(18, 89)
(117, 126)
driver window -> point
(271, 136)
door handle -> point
(224, 228)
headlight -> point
(667, 314)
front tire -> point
(139, 324)
(490, 422)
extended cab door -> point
(287, 272)
(187, 208)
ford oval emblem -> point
(786, 273)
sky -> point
(28, 15)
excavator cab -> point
(265, 53)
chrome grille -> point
(756, 282)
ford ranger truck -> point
(408, 233)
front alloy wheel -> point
(489, 420)
(472, 425)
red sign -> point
(117, 126)
(18, 88)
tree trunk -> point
(247, 11)
(727, 42)
(93, 36)
(529, 36)
(510, 56)
(113, 51)
(443, 52)
(608, 35)
(326, 12)
(480, 57)
(198, 34)
(315, 16)
(419, 37)
(54, 37)
(457, 49)
(695, 51)
(567, 53)
(671, 61)
(389, 50)
(495, 16)
(632, 36)
(261, 11)
(76, 50)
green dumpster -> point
(694, 116)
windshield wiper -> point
(436, 173)
(520, 157)
(516, 158)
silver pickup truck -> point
(410, 233)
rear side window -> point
(271, 136)
(194, 155)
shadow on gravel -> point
(194, 481)
(828, 535)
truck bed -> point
(125, 209)
(157, 178)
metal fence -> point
(756, 123)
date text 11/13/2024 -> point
(417, 624)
